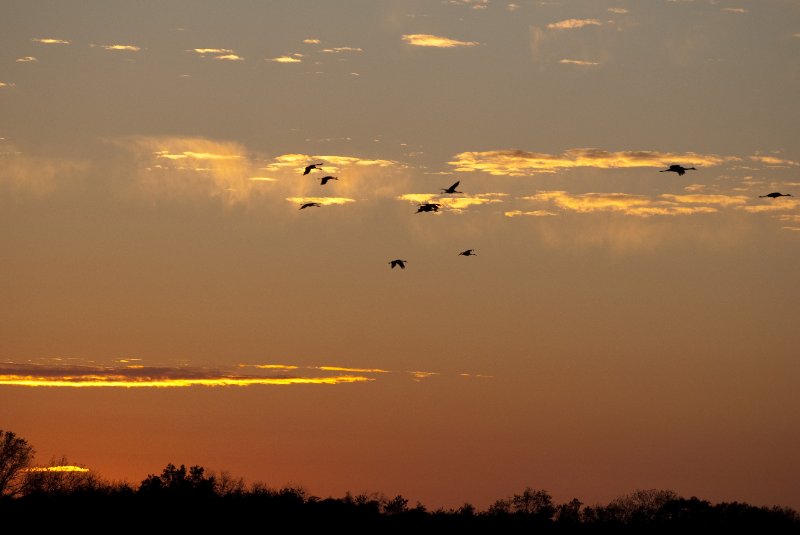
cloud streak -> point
(573, 24)
(50, 41)
(121, 375)
(435, 41)
(624, 203)
(71, 376)
(526, 163)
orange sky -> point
(619, 327)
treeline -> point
(179, 498)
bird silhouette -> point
(775, 195)
(398, 262)
(311, 167)
(428, 207)
(324, 180)
(309, 205)
(452, 189)
(675, 168)
(468, 252)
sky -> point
(619, 327)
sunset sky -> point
(164, 299)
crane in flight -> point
(452, 189)
(468, 252)
(309, 205)
(398, 262)
(428, 207)
(311, 167)
(324, 180)
(675, 168)
(775, 195)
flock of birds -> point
(434, 207)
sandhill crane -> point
(324, 180)
(675, 168)
(452, 189)
(311, 167)
(468, 252)
(428, 207)
(775, 195)
(398, 262)
(309, 205)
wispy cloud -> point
(453, 203)
(525, 163)
(773, 205)
(224, 54)
(734, 9)
(341, 49)
(26, 59)
(531, 213)
(774, 161)
(154, 377)
(70, 375)
(579, 62)
(472, 4)
(722, 200)
(5, 84)
(50, 41)
(285, 59)
(572, 24)
(122, 48)
(435, 41)
(311, 41)
(617, 10)
(321, 200)
(624, 203)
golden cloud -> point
(285, 59)
(151, 377)
(216, 51)
(128, 48)
(324, 201)
(26, 59)
(50, 41)
(774, 161)
(452, 203)
(734, 9)
(422, 39)
(341, 49)
(773, 205)
(532, 213)
(229, 57)
(311, 41)
(59, 375)
(722, 200)
(59, 468)
(617, 10)
(571, 24)
(627, 204)
(526, 163)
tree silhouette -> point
(15, 456)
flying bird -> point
(675, 168)
(775, 195)
(309, 205)
(398, 262)
(428, 207)
(452, 189)
(311, 167)
(324, 180)
(468, 252)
